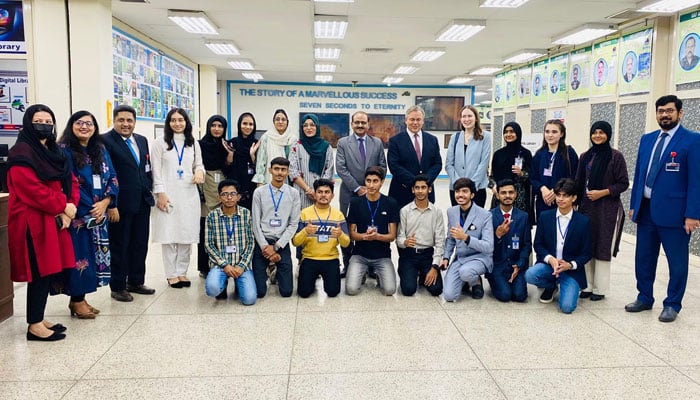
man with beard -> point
(665, 205)
(690, 60)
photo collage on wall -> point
(148, 81)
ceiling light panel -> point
(390, 80)
(193, 22)
(502, 3)
(406, 69)
(324, 78)
(223, 48)
(666, 6)
(584, 34)
(486, 70)
(427, 54)
(459, 80)
(241, 64)
(330, 27)
(524, 56)
(459, 30)
(254, 76)
(327, 53)
(324, 67)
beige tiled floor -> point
(181, 344)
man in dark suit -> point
(129, 221)
(665, 205)
(354, 154)
(512, 245)
(563, 247)
(575, 82)
(690, 60)
(411, 153)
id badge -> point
(217, 177)
(519, 162)
(547, 172)
(180, 174)
(275, 222)
(148, 167)
(323, 238)
(371, 228)
(230, 249)
(673, 167)
(96, 182)
(251, 169)
(515, 242)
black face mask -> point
(43, 131)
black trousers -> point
(413, 268)
(128, 242)
(479, 198)
(202, 257)
(37, 289)
(309, 270)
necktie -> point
(417, 146)
(133, 152)
(656, 160)
(362, 150)
(506, 216)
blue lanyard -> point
(180, 153)
(369, 207)
(230, 230)
(277, 203)
(563, 235)
(320, 221)
(551, 160)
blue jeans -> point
(358, 267)
(284, 272)
(245, 285)
(541, 276)
(506, 291)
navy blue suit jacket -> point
(404, 165)
(577, 244)
(504, 256)
(675, 195)
(135, 181)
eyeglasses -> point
(81, 124)
(228, 194)
(669, 111)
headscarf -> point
(514, 148)
(48, 162)
(316, 146)
(504, 158)
(279, 141)
(601, 154)
(240, 143)
(213, 151)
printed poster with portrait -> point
(687, 69)
(604, 70)
(635, 69)
(557, 77)
(510, 79)
(540, 80)
(580, 73)
(524, 85)
(498, 92)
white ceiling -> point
(277, 35)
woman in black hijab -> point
(42, 203)
(602, 177)
(513, 162)
(242, 168)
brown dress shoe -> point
(122, 295)
(140, 289)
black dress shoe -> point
(477, 291)
(585, 295)
(597, 297)
(122, 295)
(140, 289)
(668, 314)
(222, 296)
(58, 328)
(637, 306)
(54, 337)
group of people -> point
(80, 210)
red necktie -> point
(506, 216)
(417, 146)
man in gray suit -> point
(354, 154)
(470, 237)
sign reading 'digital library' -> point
(262, 99)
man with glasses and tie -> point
(354, 154)
(411, 153)
(665, 204)
(512, 245)
(130, 220)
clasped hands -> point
(558, 266)
(269, 253)
(310, 229)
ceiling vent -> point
(377, 50)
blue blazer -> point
(541, 161)
(675, 195)
(577, 245)
(135, 181)
(473, 163)
(404, 165)
(504, 256)
(480, 230)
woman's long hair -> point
(168, 131)
(93, 151)
(478, 132)
(562, 147)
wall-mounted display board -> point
(687, 69)
(634, 73)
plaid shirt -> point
(217, 238)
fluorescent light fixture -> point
(459, 30)
(524, 56)
(193, 21)
(330, 27)
(324, 67)
(334, 1)
(480, 93)
(241, 64)
(584, 33)
(390, 80)
(324, 78)
(427, 54)
(665, 6)
(327, 53)
(502, 3)
(486, 70)
(486, 102)
(406, 69)
(459, 80)
(254, 76)
(221, 47)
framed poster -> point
(635, 69)
(580, 67)
(386, 126)
(441, 112)
(686, 68)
